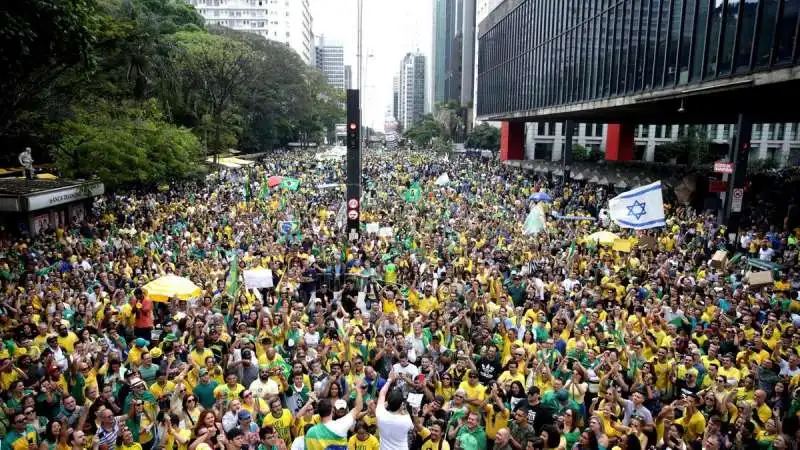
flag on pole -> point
(535, 221)
(247, 194)
(639, 208)
(232, 284)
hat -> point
(340, 404)
(156, 353)
(140, 342)
(170, 337)
(562, 395)
(203, 372)
(244, 414)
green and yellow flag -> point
(413, 194)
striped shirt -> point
(106, 437)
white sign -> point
(352, 203)
(373, 227)
(386, 232)
(353, 236)
(61, 196)
(352, 214)
(723, 167)
(736, 200)
(77, 213)
(258, 278)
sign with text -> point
(723, 167)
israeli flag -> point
(639, 208)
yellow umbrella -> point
(168, 286)
(602, 237)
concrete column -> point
(512, 141)
(620, 142)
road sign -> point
(352, 203)
(353, 236)
(723, 167)
(736, 200)
(352, 214)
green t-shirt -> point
(205, 394)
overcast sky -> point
(392, 28)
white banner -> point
(258, 278)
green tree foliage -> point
(693, 148)
(450, 115)
(124, 143)
(485, 137)
(74, 73)
(585, 154)
(425, 131)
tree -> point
(425, 131)
(692, 148)
(485, 137)
(213, 69)
(450, 116)
(586, 154)
(124, 144)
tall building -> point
(411, 96)
(329, 58)
(454, 26)
(396, 96)
(348, 77)
(289, 22)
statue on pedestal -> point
(26, 161)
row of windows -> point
(769, 132)
(548, 53)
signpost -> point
(736, 200)
(353, 164)
(723, 167)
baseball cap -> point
(140, 342)
(562, 395)
(203, 372)
(244, 414)
(340, 404)
(156, 353)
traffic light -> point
(352, 135)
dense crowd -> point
(443, 327)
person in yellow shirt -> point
(280, 419)
(362, 440)
(432, 435)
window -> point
(756, 133)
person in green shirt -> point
(205, 390)
(476, 434)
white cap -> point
(340, 404)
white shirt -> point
(392, 429)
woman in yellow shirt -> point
(362, 440)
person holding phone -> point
(393, 421)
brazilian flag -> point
(413, 194)
(290, 184)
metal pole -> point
(360, 79)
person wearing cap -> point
(245, 422)
(135, 353)
(205, 388)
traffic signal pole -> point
(739, 154)
(353, 164)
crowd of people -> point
(443, 327)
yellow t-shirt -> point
(693, 426)
(430, 444)
(133, 446)
(371, 443)
(282, 425)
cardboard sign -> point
(720, 259)
(622, 245)
(759, 279)
(258, 278)
(648, 243)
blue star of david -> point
(632, 209)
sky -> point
(391, 29)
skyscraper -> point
(288, 22)
(329, 58)
(442, 30)
(348, 77)
(411, 96)
(396, 96)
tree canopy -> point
(139, 91)
(484, 137)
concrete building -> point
(411, 96)
(396, 96)
(348, 77)
(329, 58)
(286, 21)
(778, 142)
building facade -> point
(396, 97)
(329, 59)
(776, 142)
(348, 77)
(411, 93)
(286, 21)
